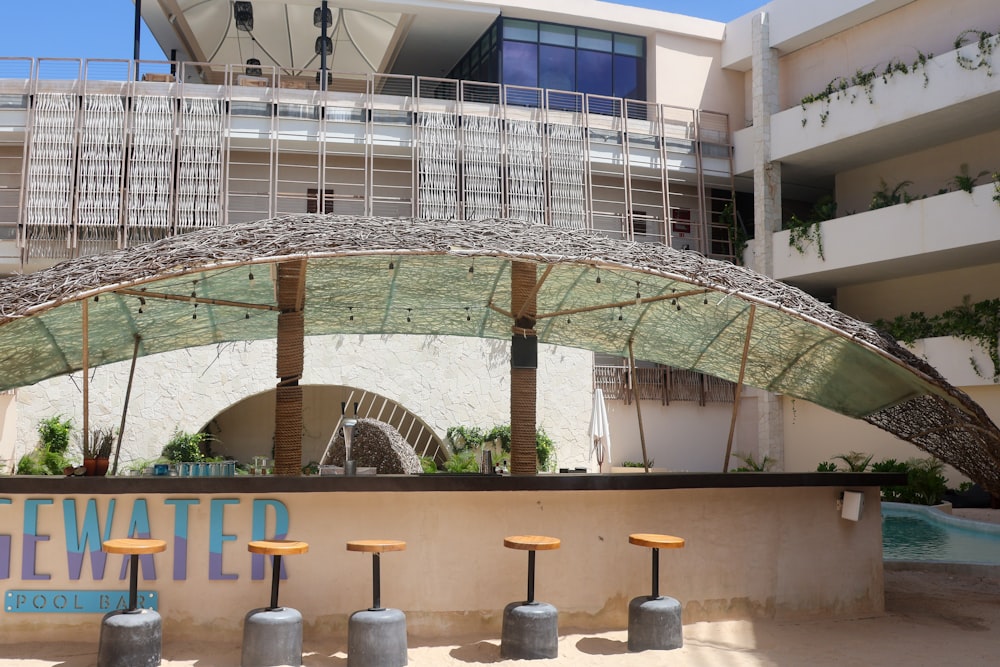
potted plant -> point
(89, 450)
(102, 441)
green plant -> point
(185, 447)
(826, 466)
(463, 461)
(101, 442)
(545, 450)
(964, 181)
(751, 464)
(464, 437)
(636, 464)
(428, 464)
(884, 197)
(926, 484)
(896, 494)
(855, 461)
(806, 232)
(985, 42)
(737, 233)
(54, 433)
(978, 322)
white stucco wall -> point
(445, 380)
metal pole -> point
(638, 412)
(376, 582)
(133, 582)
(656, 574)
(739, 389)
(128, 393)
(322, 56)
(531, 577)
(86, 373)
(136, 35)
(275, 576)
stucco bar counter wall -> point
(758, 545)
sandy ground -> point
(933, 617)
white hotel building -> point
(643, 125)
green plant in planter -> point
(751, 464)
(428, 464)
(884, 197)
(964, 181)
(49, 456)
(803, 233)
(185, 447)
(855, 461)
(463, 461)
(895, 494)
(636, 464)
(826, 466)
(926, 484)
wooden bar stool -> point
(654, 621)
(376, 637)
(133, 637)
(530, 628)
(273, 635)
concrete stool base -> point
(272, 637)
(654, 624)
(530, 631)
(376, 638)
(130, 639)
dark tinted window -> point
(557, 67)
(520, 63)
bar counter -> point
(757, 545)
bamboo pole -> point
(86, 372)
(739, 389)
(128, 393)
(638, 412)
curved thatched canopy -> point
(373, 275)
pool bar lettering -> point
(85, 527)
(75, 602)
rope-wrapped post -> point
(524, 369)
(291, 341)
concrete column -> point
(767, 211)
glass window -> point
(560, 35)
(524, 31)
(594, 73)
(597, 40)
(557, 67)
(628, 80)
(520, 64)
(629, 45)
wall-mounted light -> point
(243, 14)
(253, 69)
(851, 504)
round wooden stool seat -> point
(376, 546)
(531, 542)
(655, 541)
(277, 547)
(133, 546)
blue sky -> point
(103, 28)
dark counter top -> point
(439, 482)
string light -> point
(408, 314)
(638, 294)
(468, 315)
(350, 310)
(250, 275)
(392, 265)
(96, 298)
(620, 318)
(472, 270)
(598, 280)
(247, 315)
(142, 302)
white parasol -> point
(600, 431)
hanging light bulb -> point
(620, 318)
(638, 294)
(247, 315)
(250, 276)
(350, 317)
(408, 314)
(97, 298)
(468, 316)
(392, 265)
(472, 272)
(142, 302)
(598, 281)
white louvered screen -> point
(438, 166)
(525, 171)
(481, 167)
(49, 218)
(102, 150)
(566, 175)
(150, 168)
(199, 165)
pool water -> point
(918, 533)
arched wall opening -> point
(246, 428)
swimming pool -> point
(914, 532)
